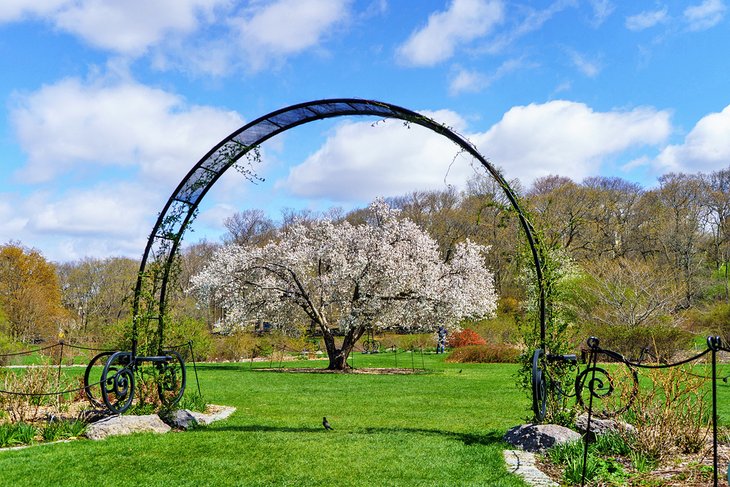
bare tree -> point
(250, 226)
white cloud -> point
(269, 32)
(360, 161)
(646, 20)
(128, 27)
(103, 157)
(706, 148)
(12, 222)
(559, 137)
(567, 138)
(463, 22)
(588, 67)
(532, 21)
(470, 81)
(107, 219)
(113, 210)
(131, 26)
(602, 9)
(14, 10)
(705, 15)
(72, 125)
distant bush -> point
(416, 341)
(501, 328)
(466, 337)
(7, 346)
(664, 341)
(484, 354)
(236, 347)
(714, 320)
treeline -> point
(640, 267)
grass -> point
(439, 427)
(442, 427)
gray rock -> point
(602, 426)
(181, 419)
(126, 425)
(537, 438)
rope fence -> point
(187, 347)
(597, 389)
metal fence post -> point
(195, 368)
(714, 343)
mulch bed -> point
(689, 470)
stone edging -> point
(218, 413)
(523, 463)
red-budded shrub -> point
(485, 354)
(466, 337)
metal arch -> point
(182, 205)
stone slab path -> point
(523, 463)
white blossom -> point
(385, 273)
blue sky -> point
(108, 104)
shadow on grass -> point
(231, 367)
(489, 438)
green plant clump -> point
(192, 402)
(61, 430)
(599, 465)
(17, 434)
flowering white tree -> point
(339, 276)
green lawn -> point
(442, 427)
(439, 427)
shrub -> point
(26, 406)
(715, 321)
(466, 337)
(663, 340)
(235, 347)
(484, 354)
(501, 328)
(7, 346)
(180, 330)
(416, 341)
(671, 414)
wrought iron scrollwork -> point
(600, 383)
(92, 379)
(117, 382)
(114, 389)
(171, 380)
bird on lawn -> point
(326, 424)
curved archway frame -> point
(180, 209)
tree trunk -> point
(338, 356)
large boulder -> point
(126, 425)
(537, 438)
(602, 426)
